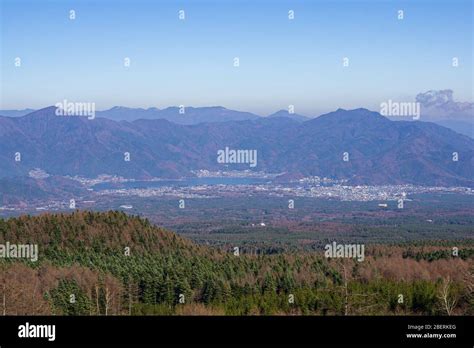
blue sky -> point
(190, 62)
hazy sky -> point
(190, 61)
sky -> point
(191, 62)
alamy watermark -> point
(402, 109)
(37, 331)
(237, 156)
(21, 251)
(351, 251)
(66, 108)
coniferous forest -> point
(109, 263)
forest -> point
(110, 263)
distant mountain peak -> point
(354, 114)
(356, 110)
(191, 115)
(280, 112)
(287, 114)
(16, 113)
(47, 111)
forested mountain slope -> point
(111, 263)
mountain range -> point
(185, 115)
(377, 150)
(196, 115)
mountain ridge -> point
(123, 113)
(379, 151)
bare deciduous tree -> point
(447, 298)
